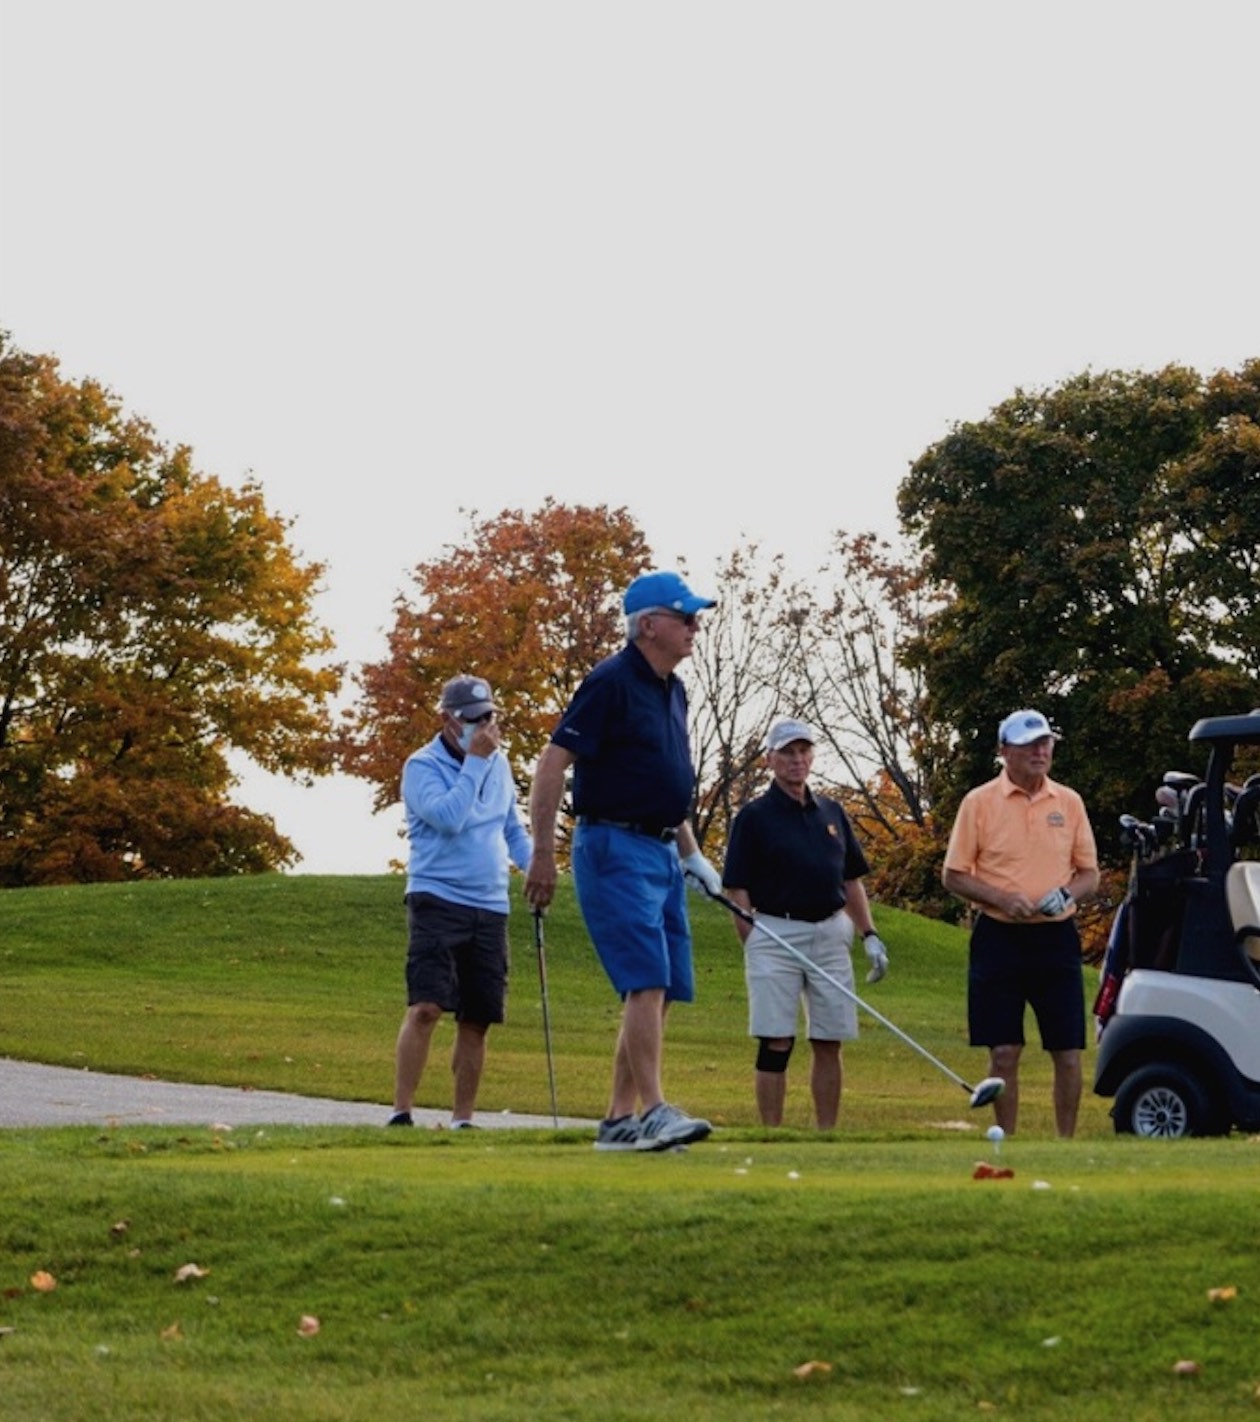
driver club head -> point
(986, 1091)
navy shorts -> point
(1035, 964)
(457, 957)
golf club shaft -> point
(546, 1013)
(836, 983)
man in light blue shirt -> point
(465, 832)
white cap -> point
(1021, 728)
(785, 730)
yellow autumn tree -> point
(151, 621)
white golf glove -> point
(702, 877)
(1054, 903)
(878, 955)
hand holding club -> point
(701, 876)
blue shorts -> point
(634, 903)
(1013, 964)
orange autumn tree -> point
(151, 621)
(530, 601)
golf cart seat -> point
(1242, 894)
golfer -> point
(463, 827)
(794, 861)
(625, 735)
(1023, 853)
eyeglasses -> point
(481, 720)
(688, 619)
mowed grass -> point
(864, 1274)
(296, 984)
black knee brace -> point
(773, 1058)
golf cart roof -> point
(1240, 729)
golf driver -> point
(546, 1011)
(981, 1094)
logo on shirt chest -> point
(1055, 819)
(833, 831)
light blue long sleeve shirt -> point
(463, 826)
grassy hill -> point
(296, 984)
(342, 1274)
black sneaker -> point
(400, 1118)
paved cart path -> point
(35, 1095)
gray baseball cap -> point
(468, 697)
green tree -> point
(151, 620)
(1096, 548)
(530, 601)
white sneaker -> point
(621, 1134)
(665, 1126)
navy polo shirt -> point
(792, 860)
(627, 726)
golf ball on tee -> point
(995, 1134)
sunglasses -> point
(688, 619)
(481, 720)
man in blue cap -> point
(625, 735)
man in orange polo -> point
(1023, 853)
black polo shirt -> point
(792, 860)
(627, 726)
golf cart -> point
(1178, 1008)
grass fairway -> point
(516, 1275)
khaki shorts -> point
(778, 983)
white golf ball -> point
(995, 1134)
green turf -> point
(295, 984)
(519, 1274)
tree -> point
(739, 678)
(854, 685)
(529, 601)
(1096, 546)
(150, 621)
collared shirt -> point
(463, 826)
(1025, 844)
(627, 726)
(793, 859)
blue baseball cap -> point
(663, 590)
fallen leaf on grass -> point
(189, 1271)
(1186, 1368)
(1223, 1295)
(985, 1171)
(171, 1333)
(43, 1282)
(119, 1228)
(5, 1332)
(807, 1370)
(308, 1325)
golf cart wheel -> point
(1163, 1101)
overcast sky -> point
(732, 265)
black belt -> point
(800, 917)
(667, 834)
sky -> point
(730, 265)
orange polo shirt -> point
(1023, 843)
